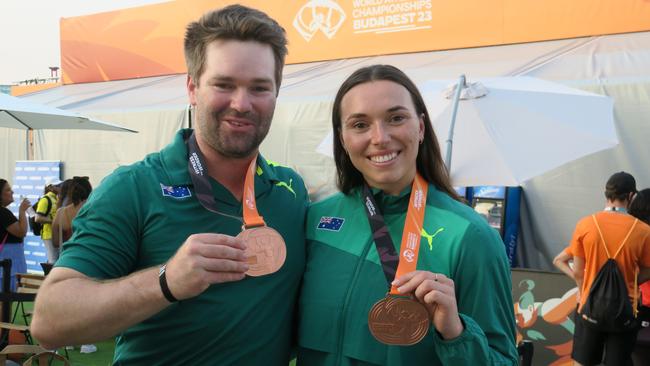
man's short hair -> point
(619, 186)
(234, 22)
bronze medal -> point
(398, 321)
(265, 250)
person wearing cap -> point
(619, 230)
(45, 211)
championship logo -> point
(409, 255)
(324, 15)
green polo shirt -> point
(132, 222)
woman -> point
(12, 231)
(72, 197)
(61, 200)
(74, 193)
(384, 139)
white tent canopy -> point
(613, 65)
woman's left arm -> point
(484, 295)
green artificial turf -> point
(103, 356)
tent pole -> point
(450, 137)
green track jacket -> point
(344, 278)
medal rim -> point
(258, 273)
(391, 341)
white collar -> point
(616, 209)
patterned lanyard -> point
(199, 175)
(395, 265)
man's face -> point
(234, 98)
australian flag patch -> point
(330, 223)
(175, 191)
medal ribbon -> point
(199, 175)
(252, 218)
(395, 265)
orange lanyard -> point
(252, 218)
(410, 247)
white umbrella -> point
(511, 129)
(25, 115)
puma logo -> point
(430, 237)
(287, 186)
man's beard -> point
(232, 145)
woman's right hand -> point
(24, 205)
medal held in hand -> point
(397, 319)
(265, 248)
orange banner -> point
(148, 41)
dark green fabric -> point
(343, 279)
(128, 225)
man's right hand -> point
(205, 259)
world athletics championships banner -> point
(29, 179)
(148, 40)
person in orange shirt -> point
(590, 254)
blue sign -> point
(490, 192)
(29, 181)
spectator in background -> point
(74, 193)
(12, 231)
(61, 201)
(608, 231)
(72, 197)
(640, 208)
(62, 197)
(45, 211)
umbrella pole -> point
(30, 144)
(450, 137)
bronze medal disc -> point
(265, 250)
(398, 321)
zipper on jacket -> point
(343, 313)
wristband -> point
(163, 284)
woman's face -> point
(381, 131)
(7, 195)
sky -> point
(29, 33)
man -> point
(590, 255)
(45, 210)
(110, 279)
